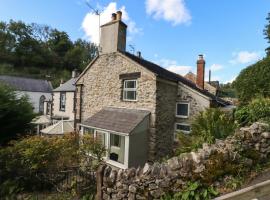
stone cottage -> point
(135, 106)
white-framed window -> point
(182, 127)
(62, 106)
(115, 144)
(130, 90)
(182, 109)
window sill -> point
(182, 116)
(126, 100)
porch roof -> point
(120, 120)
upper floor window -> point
(62, 106)
(41, 104)
(182, 110)
(130, 90)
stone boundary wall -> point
(154, 180)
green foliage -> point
(257, 110)
(16, 114)
(36, 163)
(193, 191)
(253, 81)
(212, 124)
(227, 90)
(267, 33)
(40, 46)
(187, 143)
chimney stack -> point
(113, 16)
(200, 72)
(139, 54)
(210, 76)
(74, 73)
(119, 15)
(113, 35)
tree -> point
(253, 81)
(267, 34)
(15, 114)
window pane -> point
(182, 127)
(117, 148)
(130, 95)
(182, 109)
(130, 84)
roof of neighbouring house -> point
(166, 74)
(68, 86)
(120, 120)
(42, 119)
(59, 128)
(27, 84)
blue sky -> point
(169, 32)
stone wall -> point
(69, 110)
(153, 181)
(198, 102)
(165, 117)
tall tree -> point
(267, 34)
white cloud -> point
(231, 80)
(244, 57)
(216, 67)
(173, 11)
(173, 66)
(90, 23)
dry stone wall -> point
(153, 181)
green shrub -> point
(193, 191)
(213, 124)
(257, 110)
(187, 143)
(36, 163)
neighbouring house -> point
(134, 106)
(63, 99)
(37, 90)
(210, 86)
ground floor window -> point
(113, 142)
(117, 148)
(182, 127)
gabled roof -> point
(168, 75)
(120, 120)
(27, 84)
(68, 86)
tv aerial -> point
(96, 12)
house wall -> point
(102, 88)
(165, 117)
(198, 102)
(69, 111)
(138, 144)
(34, 98)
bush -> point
(212, 124)
(36, 163)
(15, 114)
(257, 110)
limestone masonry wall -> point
(152, 181)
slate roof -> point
(120, 120)
(68, 86)
(27, 84)
(168, 75)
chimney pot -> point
(119, 15)
(113, 16)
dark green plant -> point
(16, 114)
(213, 124)
(193, 191)
(257, 110)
